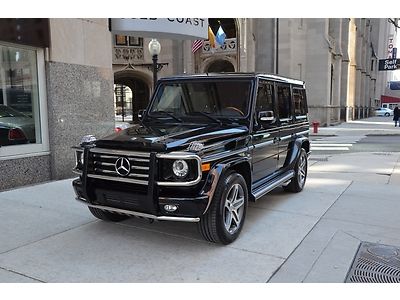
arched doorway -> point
(219, 66)
(131, 94)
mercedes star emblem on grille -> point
(122, 166)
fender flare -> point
(216, 173)
(294, 151)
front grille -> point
(115, 199)
(103, 165)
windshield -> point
(211, 100)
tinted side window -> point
(265, 103)
(299, 102)
(284, 100)
(265, 100)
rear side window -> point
(299, 102)
(284, 100)
(265, 100)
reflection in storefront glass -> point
(19, 97)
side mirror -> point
(266, 117)
(141, 114)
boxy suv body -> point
(206, 145)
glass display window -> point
(22, 98)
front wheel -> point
(225, 218)
(300, 174)
(387, 114)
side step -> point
(261, 191)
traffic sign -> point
(389, 64)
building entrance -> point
(131, 94)
(220, 66)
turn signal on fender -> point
(205, 167)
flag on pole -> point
(196, 45)
(220, 36)
(211, 37)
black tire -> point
(300, 174)
(387, 114)
(106, 215)
(221, 224)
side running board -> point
(261, 191)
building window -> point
(121, 40)
(132, 41)
(22, 101)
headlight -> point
(180, 168)
(79, 159)
(88, 139)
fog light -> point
(170, 207)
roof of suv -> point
(235, 75)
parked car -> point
(382, 111)
(120, 126)
(205, 147)
(15, 127)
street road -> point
(369, 143)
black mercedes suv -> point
(205, 146)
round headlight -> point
(180, 168)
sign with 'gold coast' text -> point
(169, 28)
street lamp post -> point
(154, 49)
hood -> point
(169, 137)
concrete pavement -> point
(311, 236)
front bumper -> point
(149, 205)
(138, 214)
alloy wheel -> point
(234, 208)
(302, 171)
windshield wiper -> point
(206, 115)
(167, 113)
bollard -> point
(315, 126)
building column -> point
(352, 73)
(345, 69)
(264, 45)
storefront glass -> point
(19, 97)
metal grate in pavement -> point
(375, 263)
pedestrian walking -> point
(396, 116)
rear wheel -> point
(387, 114)
(106, 215)
(300, 174)
(225, 218)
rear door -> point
(265, 136)
(287, 126)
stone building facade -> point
(66, 83)
(337, 58)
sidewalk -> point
(366, 210)
(311, 236)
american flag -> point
(196, 45)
